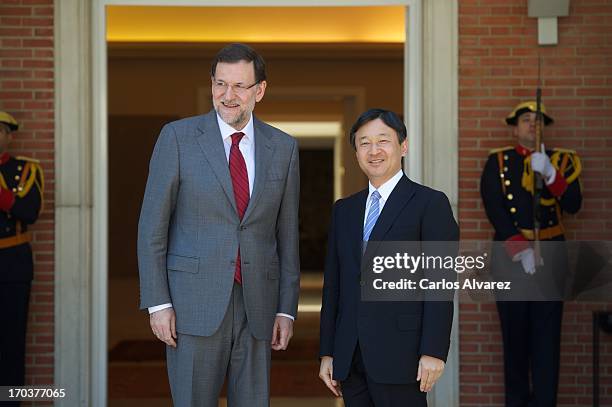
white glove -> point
(527, 259)
(541, 163)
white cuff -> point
(551, 179)
(159, 307)
(280, 314)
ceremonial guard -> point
(531, 330)
(21, 195)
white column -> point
(440, 142)
(73, 238)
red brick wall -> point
(498, 56)
(26, 91)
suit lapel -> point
(355, 225)
(401, 194)
(263, 157)
(211, 143)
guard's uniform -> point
(21, 194)
(531, 330)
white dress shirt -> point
(384, 190)
(247, 148)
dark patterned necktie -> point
(240, 182)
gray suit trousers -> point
(199, 364)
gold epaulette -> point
(567, 163)
(497, 150)
(29, 159)
(565, 150)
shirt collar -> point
(522, 150)
(4, 157)
(385, 189)
(227, 130)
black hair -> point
(237, 52)
(388, 117)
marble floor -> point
(274, 402)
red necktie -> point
(240, 182)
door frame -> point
(81, 165)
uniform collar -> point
(522, 150)
(4, 157)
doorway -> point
(81, 278)
(152, 83)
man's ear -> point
(404, 147)
(261, 90)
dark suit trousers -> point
(531, 333)
(14, 299)
(359, 390)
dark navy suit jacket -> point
(392, 335)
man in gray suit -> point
(218, 241)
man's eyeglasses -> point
(220, 86)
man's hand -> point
(326, 372)
(430, 370)
(282, 332)
(541, 163)
(528, 260)
(163, 325)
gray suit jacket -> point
(189, 231)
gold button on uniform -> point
(513, 210)
(550, 222)
(509, 196)
(507, 182)
(17, 177)
(505, 156)
(505, 169)
(14, 189)
(19, 168)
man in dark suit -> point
(531, 330)
(218, 241)
(21, 196)
(379, 351)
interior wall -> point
(146, 91)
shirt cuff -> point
(159, 307)
(7, 199)
(557, 185)
(280, 314)
(516, 244)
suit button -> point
(361, 283)
(242, 227)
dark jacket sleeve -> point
(331, 291)
(438, 225)
(570, 199)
